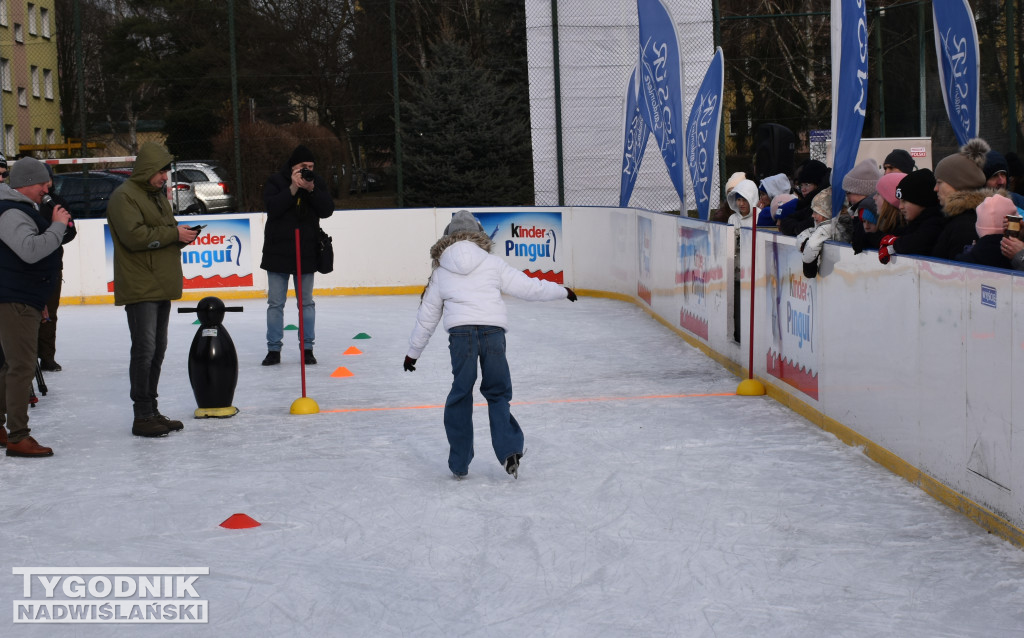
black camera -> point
(306, 174)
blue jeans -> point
(467, 344)
(277, 295)
(147, 324)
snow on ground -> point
(651, 500)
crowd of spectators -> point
(969, 209)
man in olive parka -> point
(147, 276)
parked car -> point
(364, 182)
(199, 187)
(86, 194)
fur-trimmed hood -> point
(479, 238)
(962, 201)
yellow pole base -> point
(750, 388)
(305, 405)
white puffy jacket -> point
(466, 289)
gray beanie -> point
(862, 178)
(28, 171)
(463, 222)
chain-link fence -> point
(239, 83)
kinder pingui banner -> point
(219, 258)
(530, 242)
(694, 273)
(791, 303)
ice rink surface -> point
(651, 500)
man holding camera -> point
(296, 198)
(29, 269)
(147, 276)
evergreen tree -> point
(464, 134)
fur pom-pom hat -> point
(964, 170)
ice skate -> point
(512, 465)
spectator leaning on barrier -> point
(859, 185)
(987, 250)
(890, 219)
(770, 188)
(899, 161)
(996, 171)
(811, 178)
(741, 200)
(811, 240)
(920, 208)
(959, 183)
(723, 212)
(778, 202)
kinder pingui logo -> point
(532, 242)
(111, 595)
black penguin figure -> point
(213, 361)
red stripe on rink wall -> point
(800, 378)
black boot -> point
(309, 358)
(272, 359)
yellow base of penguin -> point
(215, 413)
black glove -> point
(570, 294)
(811, 269)
(410, 364)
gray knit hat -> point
(463, 221)
(862, 178)
(28, 171)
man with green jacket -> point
(147, 276)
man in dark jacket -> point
(296, 199)
(29, 267)
(147, 276)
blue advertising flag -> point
(661, 85)
(849, 89)
(702, 132)
(635, 142)
(956, 45)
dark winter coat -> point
(986, 252)
(285, 213)
(920, 235)
(21, 281)
(959, 232)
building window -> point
(38, 135)
(48, 84)
(19, 34)
(34, 74)
(22, 97)
(44, 22)
(51, 139)
(3, 13)
(9, 142)
(32, 19)
(5, 73)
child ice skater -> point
(466, 286)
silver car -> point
(197, 188)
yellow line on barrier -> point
(545, 402)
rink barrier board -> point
(921, 407)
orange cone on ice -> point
(239, 521)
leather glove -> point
(410, 364)
(570, 294)
(885, 248)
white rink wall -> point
(914, 361)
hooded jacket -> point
(285, 213)
(466, 287)
(748, 191)
(147, 253)
(959, 231)
(29, 251)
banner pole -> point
(298, 298)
